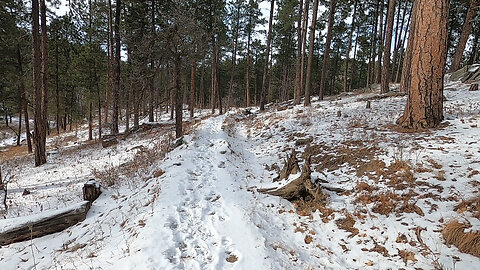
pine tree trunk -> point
(304, 45)
(388, 45)
(39, 140)
(192, 90)
(349, 48)
(202, 88)
(308, 80)
(398, 35)
(110, 68)
(427, 50)
(267, 56)
(90, 122)
(178, 98)
(151, 117)
(326, 56)
(467, 28)
(378, 73)
(214, 74)
(247, 84)
(400, 66)
(116, 86)
(296, 93)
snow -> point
(204, 212)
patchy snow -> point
(197, 206)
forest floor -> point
(197, 206)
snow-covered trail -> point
(201, 220)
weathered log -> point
(91, 190)
(26, 228)
(290, 167)
(300, 188)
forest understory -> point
(393, 198)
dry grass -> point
(472, 206)
(467, 242)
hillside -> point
(390, 192)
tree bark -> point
(349, 48)
(378, 73)
(116, 86)
(326, 56)
(151, 117)
(296, 93)
(110, 71)
(388, 45)
(467, 28)
(267, 56)
(304, 45)
(192, 90)
(308, 80)
(39, 138)
(423, 80)
(178, 97)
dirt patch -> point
(347, 224)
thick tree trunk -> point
(308, 80)
(326, 56)
(267, 56)
(116, 86)
(39, 126)
(423, 80)
(388, 44)
(467, 28)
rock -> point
(26, 192)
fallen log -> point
(26, 228)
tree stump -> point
(300, 188)
(369, 104)
(91, 190)
(474, 87)
(109, 140)
(290, 167)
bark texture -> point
(426, 55)
(326, 56)
(308, 79)
(265, 70)
(388, 44)
(467, 28)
